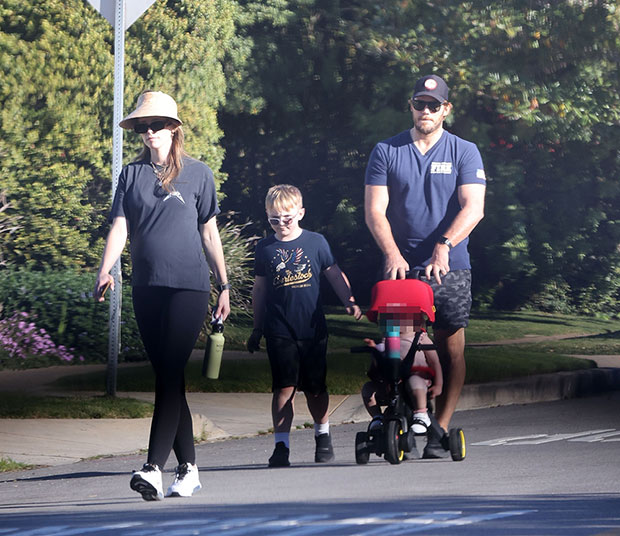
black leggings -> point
(170, 321)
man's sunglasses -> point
(432, 106)
(155, 126)
(282, 220)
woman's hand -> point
(104, 281)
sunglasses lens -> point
(420, 105)
(283, 220)
(143, 128)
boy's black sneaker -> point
(324, 451)
(433, 449)
(279, 458)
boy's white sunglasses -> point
(283, 220)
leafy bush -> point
(8, 225)
(21, 338)
(239, 254)
(62, 303)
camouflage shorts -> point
(452, 298)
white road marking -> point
(605, 436)
(539, 439)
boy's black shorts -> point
(452, 298)
(302, 363)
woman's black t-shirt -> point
(166, 248)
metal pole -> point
(114, 339)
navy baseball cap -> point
(432, 86)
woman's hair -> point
(283, 197)
(175, 158)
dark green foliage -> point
(535, 85)
(56, 107)
(61, 302)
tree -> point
(56, 111)
(534, 84)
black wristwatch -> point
(445, 240)
(224, 286)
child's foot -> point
(421, 422)
(279, 458)
(147, 482)
(324, 451)
(186, 481)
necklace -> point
(158, 172)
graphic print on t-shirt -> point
(291, 267)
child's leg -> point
(312, 374)
(369, 392)
(318, 405)
(282, 411)
(284, 361)
(419, 392)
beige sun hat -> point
(152, 104)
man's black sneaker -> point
(279, 458)
(324, 451)
(433, 449)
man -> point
(424, 195)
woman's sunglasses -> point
(155, 126)
(432, 106)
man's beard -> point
(426, 128)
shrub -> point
(62, 303)
(21, 338)
(239, 254)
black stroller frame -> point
(395, 437)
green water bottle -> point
(213, 351)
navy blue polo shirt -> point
(423, 191)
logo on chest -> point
(441, 168)
(291, 268)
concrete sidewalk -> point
(219, 416)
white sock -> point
(321, 428)
(283, 437)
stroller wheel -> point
(393, 451)
(457, 444)
(362, 454)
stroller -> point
(392, 303)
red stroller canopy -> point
(408, 295)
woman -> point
(166, 202)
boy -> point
(287, 310)
(375, 392)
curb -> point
(540, 388)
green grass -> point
(347, 372)
(18, 406)
(6, 464)
(493, 326)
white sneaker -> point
(421, 422)
(147, 482)
(186, 481)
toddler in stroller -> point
(405, 375)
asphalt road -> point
(541, 469)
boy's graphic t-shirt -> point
(293, 273)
